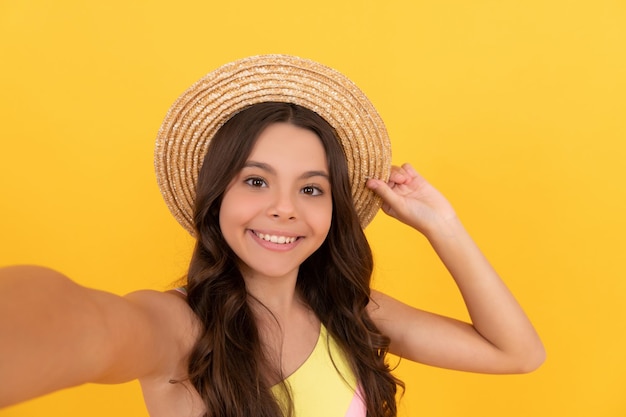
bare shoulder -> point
(388, 314)
(384, 307)
(407, 327)
(168, 304)
(170, 312)
(152, 334)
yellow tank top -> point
(317, 389)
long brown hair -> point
(228, 366)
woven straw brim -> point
(199, 112)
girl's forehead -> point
(280, 139)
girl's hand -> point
(409, 198)
(500, 338)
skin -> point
(147, 335)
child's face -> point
(277, 210)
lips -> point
(279, 239)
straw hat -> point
(199, 112)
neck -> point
(276, 294)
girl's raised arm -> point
(56, 334)
(500, 338)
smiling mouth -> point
(281, 240)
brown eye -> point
(256, 182)
(311, 190)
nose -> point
(282, 206)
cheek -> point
(228, 215)
(323, 217)
(236, 212)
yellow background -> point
(515, 110)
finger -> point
(413, 174)
(408, 168)
(383, 190)
(398, 175)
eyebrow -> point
(268, 168)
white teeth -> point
(276, 239)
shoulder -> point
(179, 329)
(171, 325)
(383, 306)
(402, 323)
(168, 310)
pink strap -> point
(181, 290)
(357, 406)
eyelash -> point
(258, 182)
(316, 190)
(252, 180)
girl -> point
(276, 316)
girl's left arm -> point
(500, 339)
